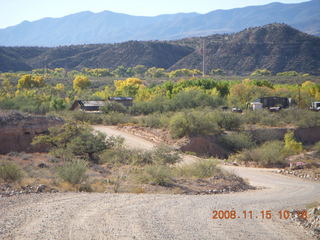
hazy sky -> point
(13, 12)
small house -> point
(88, 106)
(95, 106)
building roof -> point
(121, 98)
(92, 103)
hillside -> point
(277, 47)
(110, 27)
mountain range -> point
(111, 27)
(277, 47)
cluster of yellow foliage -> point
(30, 81)
(128, 87)
(81, 82)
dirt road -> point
(132, 216)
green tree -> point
(139, 70)
(155, 72)
(291, 146)
(74, 138)
(261, 72)
(120, 71)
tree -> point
(128, 87)
(75, 139)
(139, 70)
(120, 71)
(291, 146)
(28, 81)
(261, 72)
(217, 71)
(81, 82)
(58, 104)
(155, 72)
(104, 94)
(86, 144)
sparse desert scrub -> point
(237, 141)
(73, 172)
(269, 154)
(156, 175)
(200, 169)
(10, 172)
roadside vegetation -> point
(182, 103)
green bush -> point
(91, 118)
(10, 172)
(228, 121)
(122, 156)
(291, 146)
(73, 172)
(117, 156)
(192, 123)
(164, 154)
(157, 175)
(237, 141)
(269, 154)
(155, 120)
(114, 107)
(200, 169)
(114, 118)
(317, 148)
(182, 100)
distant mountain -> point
(277, 47)
(110, 27)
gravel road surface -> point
(151, 216)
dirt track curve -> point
(145, 216)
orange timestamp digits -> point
(263, 214)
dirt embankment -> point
(18, 129)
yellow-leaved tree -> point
(128, 87)
(28, 81)
(81, 82)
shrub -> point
(192, 123)
(155, 120)
(92, 118)
(317, 148)
(73, 172)
(122, 156)
(311, 119)
(200, 169)
(163, 154)
(87, 145)
(291, 146)
(228, 121)
(114, 118)
(73, 138)
(114, 107)
(157, 175)
(10, 172)
(116, 156)
(182, 100)
(238, 141)
(269, 154)
(152, 120)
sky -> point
(13, 12)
